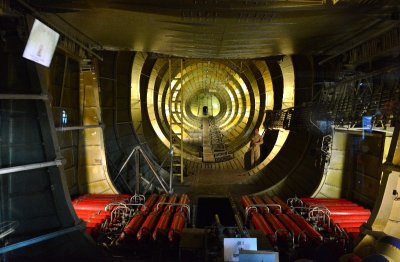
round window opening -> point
(205, 104)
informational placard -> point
(259, 255)
(232, 247)
(41, 44)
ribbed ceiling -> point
(223, 29)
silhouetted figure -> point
(205, 110)
(255, 143)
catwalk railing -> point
(344, 103)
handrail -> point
(24, 97)
(71, 128)
(13, 169)
(11, 225)
(41, 238)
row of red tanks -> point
(115, 219)
(298, 223)
(305, 222)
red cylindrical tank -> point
(80, 213)
(163, 224)
(93, 214)
(177, 225)
(92, 224)
(352, 229)
(349, 224)
(269, 201)
(309, 199)
(184, 200)
(333, 205)
(171, 200)
(258, 200)
(290, 224)
(276, 224)
(162, 199)
(259, 223)
(285, 207)
(350, 212)
(347, 208)
(347, 219)
(302, 223)
(95, 220)
(362, 217)
(133, 226)
(166, 217)
(89, 206)
(148, 226)
(150, 202)
(246, 201)
(179, 219)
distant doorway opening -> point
(208, 207)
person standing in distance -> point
(255, 143)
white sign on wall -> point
(41, 44)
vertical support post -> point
(63, 81)
(182, 129)
(393, 143)
(171, 131)
(137, 169)
(171, 154)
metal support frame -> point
(14, 169)
(171, 170)
(360, 129)
(70, 128)
(7, 227)
(162, 182)
(41, 238)
(136, 150)
(137, 171)
(24, 96)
